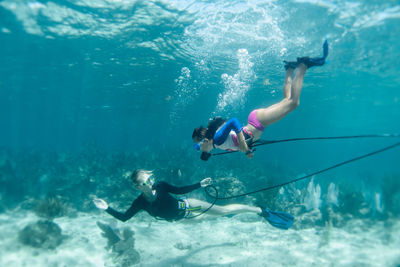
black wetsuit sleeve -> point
(179, 190)
(136, 206)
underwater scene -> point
(101, 103)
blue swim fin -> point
(325, 48)
(278, 219)
(315, 61)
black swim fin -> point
(278, 219)
(315, 61)
(291, 64)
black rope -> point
(306, 176)
(266, 142)
(211, 205)
(204, 211)
(261, 142)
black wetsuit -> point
(164, 206)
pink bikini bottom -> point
(254, 121)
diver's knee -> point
(292, 104)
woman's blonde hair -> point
(138, 173)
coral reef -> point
(50, 208)
(111, 234)
(65, 181)
(42, 234)
(228, 186)
(391, 193)
(121, 245)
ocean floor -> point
(242, 240)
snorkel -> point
(198, 145)
(204, 155)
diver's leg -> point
(217, 210)
(288, 83)
(274, 113)
(297, 84)
(233, 209)
(290, 102)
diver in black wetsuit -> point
(158, 202)
(163, 206)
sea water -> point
(91, 90)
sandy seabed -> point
(242, 240)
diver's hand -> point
(205, 182)
(100, 203)
(250, 154)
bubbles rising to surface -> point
(185, 92)
(236, 86)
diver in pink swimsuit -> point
(230, 135)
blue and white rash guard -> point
(226, 138)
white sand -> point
(243, 240)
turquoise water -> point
(90, 90)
